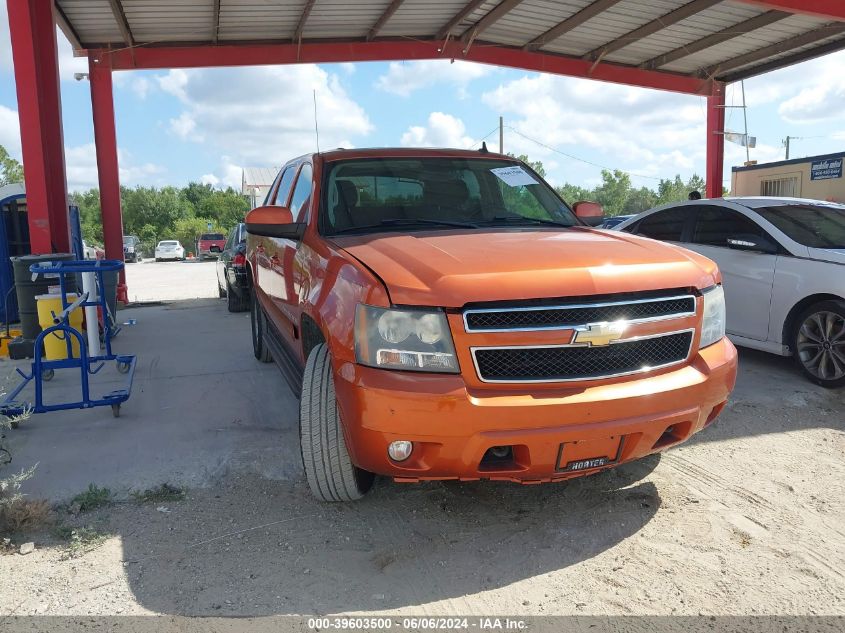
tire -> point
(329, 470)
(256, 319)
(818, 343)
(234, 302)
(158, 259)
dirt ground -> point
(747, 518)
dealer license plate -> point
(588, 454)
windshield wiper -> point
(514, 219)
(406, 222)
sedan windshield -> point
(815, 226)
(168, 243)
(401, 194)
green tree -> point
(613, 193)
(573, 193)
(10, 169)
(187, 230)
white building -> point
(256, 182)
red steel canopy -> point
(688, 46)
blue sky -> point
(178, 126)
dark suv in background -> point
(232, 280)
(132, 251)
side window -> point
(714, 225)
(301, 195)
(667, 225)
(284, 186)
(231, 241)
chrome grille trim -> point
(633, 339)
(577, 306)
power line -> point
(582, 160)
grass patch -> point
(80, 540)
(159, 494)
(92, 498)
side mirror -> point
(590, 213)
(273, 222)
(755, 243)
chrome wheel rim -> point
(821, 345)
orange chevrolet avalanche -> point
(445, 315)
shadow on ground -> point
(257, 547)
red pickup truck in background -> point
(210, 245)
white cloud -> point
(10, 131)
(265, 115)
(141, 87)
(442, 130)
(646, 132)
(209, 179)
(81, 162)
(818, 102)
(184, 126)
(348, 67)
(404, 78)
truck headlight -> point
(399, 338)
(713, 325)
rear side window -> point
(212, 236)
(667, 225)
(301, 194)
(714, 225)
(284, 186)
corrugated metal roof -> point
(261, 177)
(637, 33)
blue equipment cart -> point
(43, 370)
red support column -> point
(105, 139)
(714, 173)
(35, 54)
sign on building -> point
(826, 169)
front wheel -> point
(256, 318)
(328, 468)
(819, 343)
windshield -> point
(816, 226)
(212, 236)
(128, 240)
(391, 194)
(168, 243)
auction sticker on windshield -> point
(514, 176)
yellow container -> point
(5, 340)
(55, 346)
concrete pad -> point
(201, 405)
(171, 281)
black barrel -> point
(26, 289)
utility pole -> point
(501, 135)
(745, 120)
(786, 143)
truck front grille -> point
(565, 316)
(581, 362)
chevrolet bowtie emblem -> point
(599, 334)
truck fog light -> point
(400, 450)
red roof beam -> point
(827, 9)
(205, 56)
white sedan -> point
(783, 270)
(169, 249)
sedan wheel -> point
(820, 343)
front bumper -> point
(452, 426)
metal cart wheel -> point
(115, 410)
(47, 374)
(122, 367)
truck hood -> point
(454, 268)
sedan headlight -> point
(713, 325)
(398, 338)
